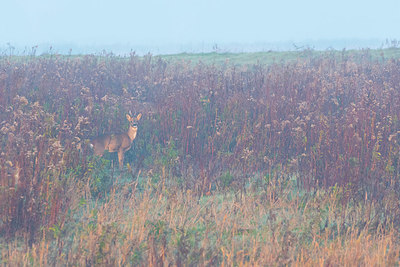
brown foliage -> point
(331, 121)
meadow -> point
(274, 159)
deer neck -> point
(132, 133)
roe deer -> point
(117, 142)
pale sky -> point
(164, 22)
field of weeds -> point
(286, 163)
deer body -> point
(117, 142)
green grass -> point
(265, 58)
(234, 58)
(272, 57)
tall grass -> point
(153, 227)
(251, 164)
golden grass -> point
(149, 226)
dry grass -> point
(151, 227)
(284, 164)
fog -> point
(196, 26)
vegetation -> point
(271, 57)
(263, 163)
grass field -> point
(271, 57)
(273, 158)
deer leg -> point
(121, 158)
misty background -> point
(176, 26)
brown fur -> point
(117, 142)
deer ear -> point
(128, 117)
(139, 116)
